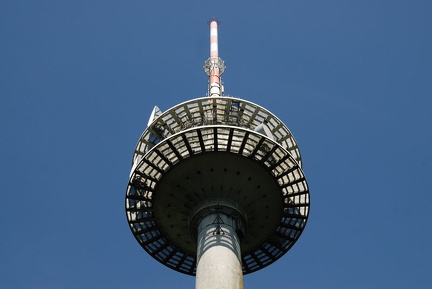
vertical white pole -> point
(219, 256)
(215, 86)
(214, 53)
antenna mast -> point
(214, 66)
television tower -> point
(216, 188)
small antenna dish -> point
(264, 129)
(155, 113)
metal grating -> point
(215, 111)
(159, 158)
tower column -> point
(211, 175)
(218, 254)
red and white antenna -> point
(214, 66)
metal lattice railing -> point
(238, 140)
(215, 111)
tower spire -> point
(214, 66)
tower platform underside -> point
(210, 149)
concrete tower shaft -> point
(218, 251)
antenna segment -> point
(214, 66)
(214, 40)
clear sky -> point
(351, 79)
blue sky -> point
(351, 79)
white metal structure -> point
(216, 187)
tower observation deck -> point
(216, 188)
